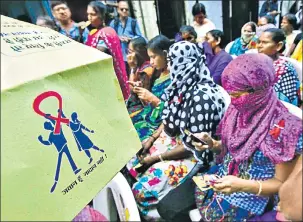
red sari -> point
(112, 41)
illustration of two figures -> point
(60, 142)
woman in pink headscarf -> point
(105, 39)
(260, 140)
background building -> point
(159, 16)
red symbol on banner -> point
(58, 119)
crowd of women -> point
(211, 115)
(250, 141)
(251, 146)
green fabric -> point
(149, 119)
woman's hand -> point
(131, 60)
(135, 84)
(144, 94)
(206, 138)
(228, 184)
(149, 160)
(147, 145)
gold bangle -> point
(160, 157)
(260, 188)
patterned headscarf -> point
(193, 101)
(247, 37)
(257, 120)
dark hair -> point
(100, 10)
(218, 34)
(252, 25)
(277, 34)
(269, 19)
(55, 3)
(122, 1)
(140, 47)
(291, 18)
(198, 8)
(48, 21)
(158, 44)
(189, 29)
(24, 18)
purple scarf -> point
(257, 120)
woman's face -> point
(157, 61)
(131, 56)
(247, 30)
(212, 41)
(186, 36)
(238, 94)
(285, 25)
(93, 17)
(199, 18)
(266, 45)
(262, 21)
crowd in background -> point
(205, 110)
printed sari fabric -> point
(238, 48)
(192, 101)
(240, 205)
(160, 178)
(148, 119)
(257, 133)
(288, 83)
(108, 39)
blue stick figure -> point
(61, 145)
(82, 140)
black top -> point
(298, 38)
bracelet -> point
(158, 103)
(153, 137)
(260, 188)
(160, 157)
(216, 144)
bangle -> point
(216, 144)
(153, 137)
(158, 103)
(260, 188)
(160, 157)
